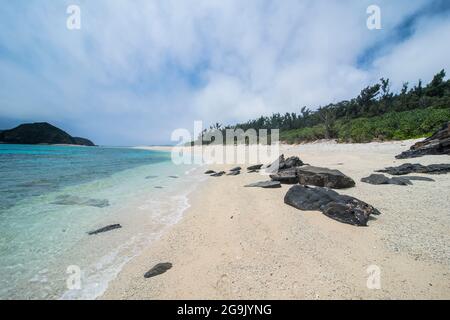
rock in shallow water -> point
(158, 270)
(339, 207)
(69, 200)
(265, 185)
(408, 168)
(105, 229)
(323, 177)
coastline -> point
(243, 243)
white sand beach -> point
(245, 243)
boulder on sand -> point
(378, 179)
(236, 169)
(160, 268)
(339, 207)
(408, 168)
(234, 173)
(255, 167)
(282, 164)
(288, 176)
(210, 172)
(323, 177)
(438, 143)
(218, 174)
(265, 185)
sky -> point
(137, 70)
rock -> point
(265, 185)
(378, 179)
(158, 270)
(253, 171)
(69, 200)
(151, 177)
(234, 173)
(174, 177)
(437, 144)
(414, 178)
(40, 133)
(236, 169)
(159, 187)
(210, 172)
(255, 167)
(288, 176)
(408, 168)
(282, 164)
(342, 208)
(218, 174)
(105, 229)
(323, 177)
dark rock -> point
(378, 179)
(282, 164)
(40, 133)
(265, 185)
(255, 167)
(236, 169)
(408, 168)
(174, 177)
(105, 229)
(253, 171)
(218, 174)
(159, 187)
(339, 207)
(151, 177)
(69, 200)
(414, 178)
(158, 270)
(323, 177)
(234, 173)
(288, 176)
(210, 172)
(437, 144)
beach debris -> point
(339, 207)
(210, 172)
(378, 179)
(105, 229)
(157, 270)
(323, 177)
(408, 168)
(151, 177)
(236, 169)
(265, 185)
(218, 174)
(234, 173)
(70, 200)
(437, 144)
(255, 167)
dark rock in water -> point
(234, 173)
(323, 177)
(151, 177)
(210, 172)
(255, 167)
(265, 185)
(105, 229)
(158, 187)
(408, 168)
(378, 179)
(236, 169)
(218, 174)
(437, 144)
(339, 207)
(40, 133)
(158, 270)
(68, 200)
(174, 177)
(288, 176)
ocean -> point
(52, 196)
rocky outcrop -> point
(105, 229)
(323, 177)
(283, 164)
(339, 207)
(40, 133)
(265, 185)
(288, 176)
(408, 168)
(379, 179)
(157, 270)
(437, 144)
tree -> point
(328, 116)
(436, 88)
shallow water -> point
(51, 196)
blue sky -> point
(137, 70)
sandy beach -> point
(245, 243)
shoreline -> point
(240, 243)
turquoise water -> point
(51, 196)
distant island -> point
(40, 133)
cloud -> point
(138, 70)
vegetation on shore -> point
(375, 114)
